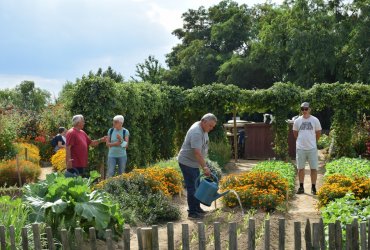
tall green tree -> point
(150, 71)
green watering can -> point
(206, 189)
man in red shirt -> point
(78, 143)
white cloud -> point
(50, 84)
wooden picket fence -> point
(357, 237)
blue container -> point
(207, 189)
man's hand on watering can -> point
(207, 171)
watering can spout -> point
(220, 195)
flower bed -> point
(258, 189)
(58, 160)
(33, 153)
(145, 194)
(285, 169)
(337, 186)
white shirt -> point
(306, 128)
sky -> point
(54, 41)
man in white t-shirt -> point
(307, 131)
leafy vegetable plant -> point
(349, 166)
(68, 203)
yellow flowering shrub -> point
(33, 152)
(264, 190)
(153, 179)
(58, 160)
(29, 172)
(337, 186)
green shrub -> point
(324, 142)
(69, 203)
(359, 138)
(7, 136)
(286, 170)
(13, 212)
(220, 152)
(349, 167)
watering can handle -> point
(200, 176)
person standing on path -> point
(307, 131)
(192, 156)
(77, 145)
(117, 142)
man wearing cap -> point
(192, 156)
(307, 131)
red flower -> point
(40, 138)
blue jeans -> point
(190, 176)
(113, 162)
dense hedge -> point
(158, 116)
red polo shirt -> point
(79, 142)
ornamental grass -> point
(28, 170)
(265, 190)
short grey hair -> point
(119, 118)
(76, 119)
(209, 117)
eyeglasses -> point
(304, 109)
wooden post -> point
(170, 236)
(332, 236)
(297, 235)
(185, 237)
(307, 235)
(338, 235)
(50, 239)
(251, 234)
(139, 239)
(322, 234)
(126, 238)
(64, 236)
(363, 234)
(25, 239)
(267, 235)
(36, 236)
(146, 237)
(235, 137)
(12, 237)
(355, 235)
(92, 235)
(155, 241)
(201, 236)
(2, 237)
(26, 154)
(109, 240)
(18, 172)
(217, 234)
(316, 236)
(281, 233)
(349, 237)
(233, 238)
(79, 238)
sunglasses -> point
(304, 109)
